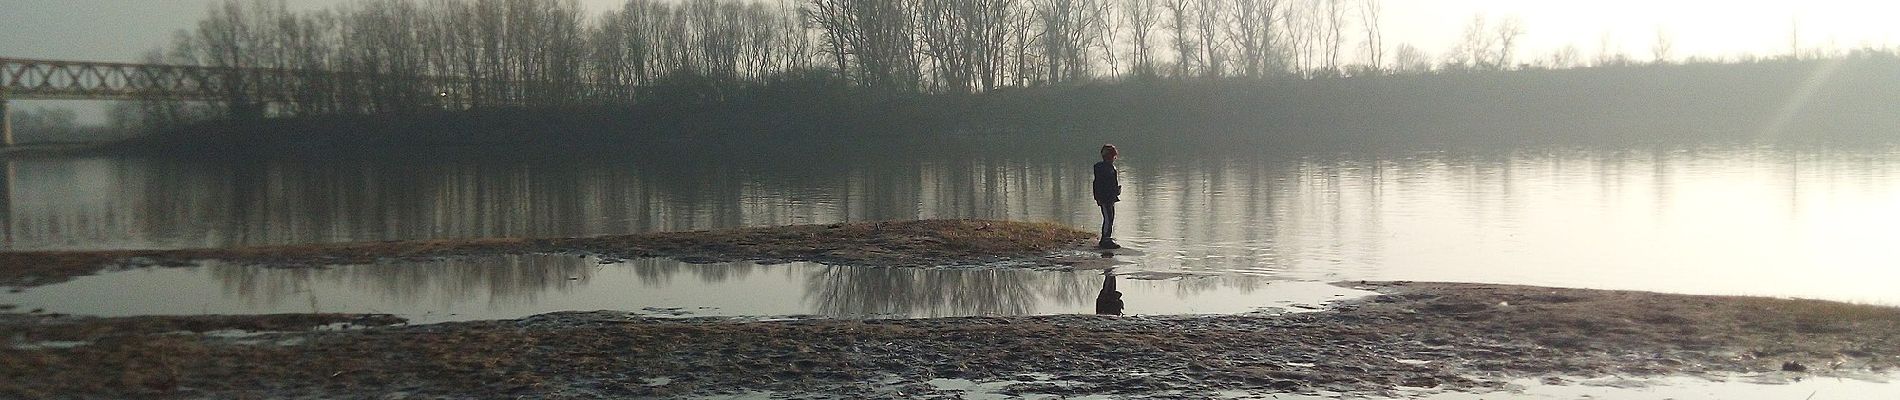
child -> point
(1108, 190)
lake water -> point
(1798, 222)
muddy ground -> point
(1443, 336)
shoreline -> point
(1409, 337)
(1412, 336)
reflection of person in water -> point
(1110, 301)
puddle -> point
(1002, 389)
(1740, 387)
(502, 287)
(1672, 388)
(54, 344)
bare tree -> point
(1662, 46)
(382, 47)
(876, 35)
(1111, 24)
(1409, 59)
(623, 50)
(1333, 34)
(1209, 25)
(1486, 46)
(989, 27)
(1474, 52)
(1301, 28)
(224, 40)
(1054, 23)
(1019, 37)
(1142, 18)
(1507, 34)
(1370, 15)
(937, 27)
(829, 17)
(1566, 57)
(795, 39)
(310, 41)
(1253, 33)
(1607, 53)
(1180, 22)
(157, 110)
(760, 28)
(1066, 30)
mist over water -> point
(1805, 222)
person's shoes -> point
(1108, 244)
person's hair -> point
(1109, 149)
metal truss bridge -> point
(90, 80)
(22, 79)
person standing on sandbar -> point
(1108, 190)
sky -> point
(1707, 28)
(122, 30)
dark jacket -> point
(1108, 189)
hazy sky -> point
(121, 30)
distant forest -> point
(483, 71)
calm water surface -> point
(516, 286)
(1811, 222)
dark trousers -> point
(1108, 220)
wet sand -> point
(1437, 336)
(1412, 336)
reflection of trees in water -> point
(1219, 215)
(502, 280)
(862, 291)
(156, 203)
(264, 286)
(171, 204)
(658, 272)
(516, 280)
(1190, 286)
(77, 203)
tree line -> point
(400, 56)
(407, 56)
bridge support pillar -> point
(6, 204)
(6, 122)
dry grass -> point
(925, 242)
